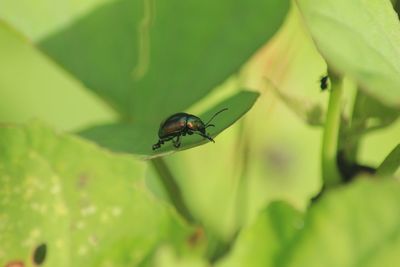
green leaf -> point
(360, 39)
(89, 208)
(391, 163)
(355, 225)
(39, 18)
(261, 243)
(166, 257)
(370, 115)
(396, 4)
(32, 88)
(347, 227)
(310, 112)
(138, 138)
(296, 86)
(151, 58)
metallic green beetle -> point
(180, 124)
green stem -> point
(352, 144)
(330, 171)
(172, 188)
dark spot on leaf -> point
(196, 237)
(15, 264)
(39, 255)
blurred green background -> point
(50, 79)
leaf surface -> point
(89, 207)
(138, 139)
(151, 58)
(361, 39)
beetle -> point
(324, 82)
(180, 124)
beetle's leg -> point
(185, 131)
(190, 132)
(210, 138)
(158, 144)
(206, 136)
(177, 142)
(210, 125)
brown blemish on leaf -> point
(15, 264)
(82, 181)
(196, 238)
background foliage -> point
(85, 84)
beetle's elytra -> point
(180, 124)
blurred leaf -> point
(166, 257)
(396, 4)
(138, 138)
(30, 87)
(279, 67)
(360, 39)
(311, 113)
(151, 58)
(346, 227)
(356, 225)
(89, 207)
(391, 163)
(370, 114)
(37, 18)
(260, 244)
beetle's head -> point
(196, 124)
(202, 128)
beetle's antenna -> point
(215, 115)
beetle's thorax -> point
(194, 123)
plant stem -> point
(330, 171)
(352, 144)
(172, 188)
